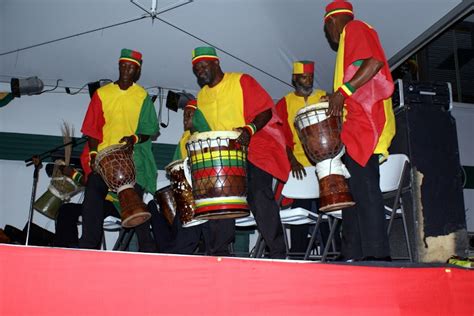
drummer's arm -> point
(134, 139)
(257, 124)
(366, 72)
(93, 145)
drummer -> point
(303, 95)
(363, 87)
(119, 112)
(236, 101)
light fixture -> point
(28, 86)
(178, 100)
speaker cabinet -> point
(426, 133)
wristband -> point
(346, 89)
(77, 176)
(251, 128)
(136, 138)
(92, 152)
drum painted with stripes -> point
(219, 175)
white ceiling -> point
(268, 34)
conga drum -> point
(320, 136)
(60, 190)
(219, 175)
(167, 205)
(178, 173)
(115, 165)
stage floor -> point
(52, 281)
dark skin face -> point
(208, 72)
(129, 72)
(303, 84)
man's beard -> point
(202, 81)
(305, 90)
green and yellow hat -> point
(204, 53)
(131, 56)
(303, 67)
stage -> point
(51, 281)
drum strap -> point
(332, 166)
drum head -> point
(214, 135)
(174, 164)
(313, 107)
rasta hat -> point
(191, 105)
(303, 67)
(204, 53)
(131, 56)
(338, 7)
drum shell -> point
(182, 191)
(166, 202)
(115, 165)
(218, 169)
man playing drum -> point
(363, 86)
(235, 101)
(287, 107)
(119, 112)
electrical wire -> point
(224, 51)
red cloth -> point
(282, 112)
(267, 147)
(365, 117)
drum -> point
(165, 200)
(320, 136)
(116, 167)
(178, 173)
(219, 176)
(60, 190)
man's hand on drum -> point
(244, 137)
(68, 171)
(129, 141)
(336, 104)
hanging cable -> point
(57, 84)
(224, 51)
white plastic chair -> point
(392, 175)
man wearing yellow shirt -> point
(287, 107)
(119, 112)
(236, 101)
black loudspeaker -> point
(426, 133)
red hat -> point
(192, 104)
(338, 7)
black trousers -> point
(265, 210)
(66, 223)
(93, 217)
(216, 234)
(363, 225)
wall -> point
(464, 115)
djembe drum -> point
(320, 136)
(219, 176)
(60, 190)
(178, 173)
(115, 165)
(165, 200)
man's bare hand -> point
(244, 137)
(336, 104)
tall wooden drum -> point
(320, 136)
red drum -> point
(178, 173)
(167, 205)
(115, 165)
(219, 175)
(320, 136)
